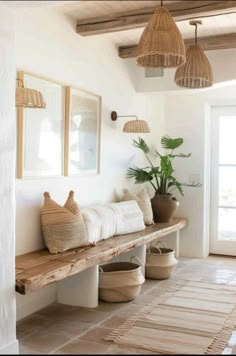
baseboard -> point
(10, 349)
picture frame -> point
(40, 132)
(64, 138)
(82, 132)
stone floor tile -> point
(123, 350)
(45, 342)
(87, 315)
(30, 325)
(82, 347)
(97, 334)
(56, 311)
(109, 307)
(24, 350)
(114, 321)
(71, 329)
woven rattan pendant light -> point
(197, 71)
(161, 44)
(29, 98)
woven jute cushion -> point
(63, 226)
(144, 203)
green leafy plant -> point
(161, 176)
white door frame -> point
(217, 246)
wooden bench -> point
(40, 268)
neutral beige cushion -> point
(144, 203)
(63, 226)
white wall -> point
(187, 116)
(222, 62)
(47, 44)
(8, 342)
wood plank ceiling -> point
(125, 20)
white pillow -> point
(129, 217)
(100, 222)
(104, 221)
(144, 203)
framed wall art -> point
(82, 140)
(41, 131)
(62, 139)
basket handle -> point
(149, 249)
(100, 269)
(161, 242)
(138, 259)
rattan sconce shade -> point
(29, 98)
(161, 44)
(196, 72)
(136, 126)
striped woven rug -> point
(189, 318)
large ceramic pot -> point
(164, 207)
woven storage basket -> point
(160, 262)
(120, 281)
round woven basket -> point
(120, 281)
(161, 44)
(160, 262)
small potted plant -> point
(161, 177)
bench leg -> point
(80, 289)
(177, 244)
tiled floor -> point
(61, 329)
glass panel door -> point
(223, 181)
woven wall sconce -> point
(29, 98)
(197, 71)
(161, 43)
(133, 126)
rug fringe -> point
(147, 309)
(222, 338)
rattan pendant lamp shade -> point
(29, 98)
(161, 44)
(196, 72)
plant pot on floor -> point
(164, 207)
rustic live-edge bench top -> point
(40, 268)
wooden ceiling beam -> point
(208, 43)
(182, 10)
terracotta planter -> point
(164, 207)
